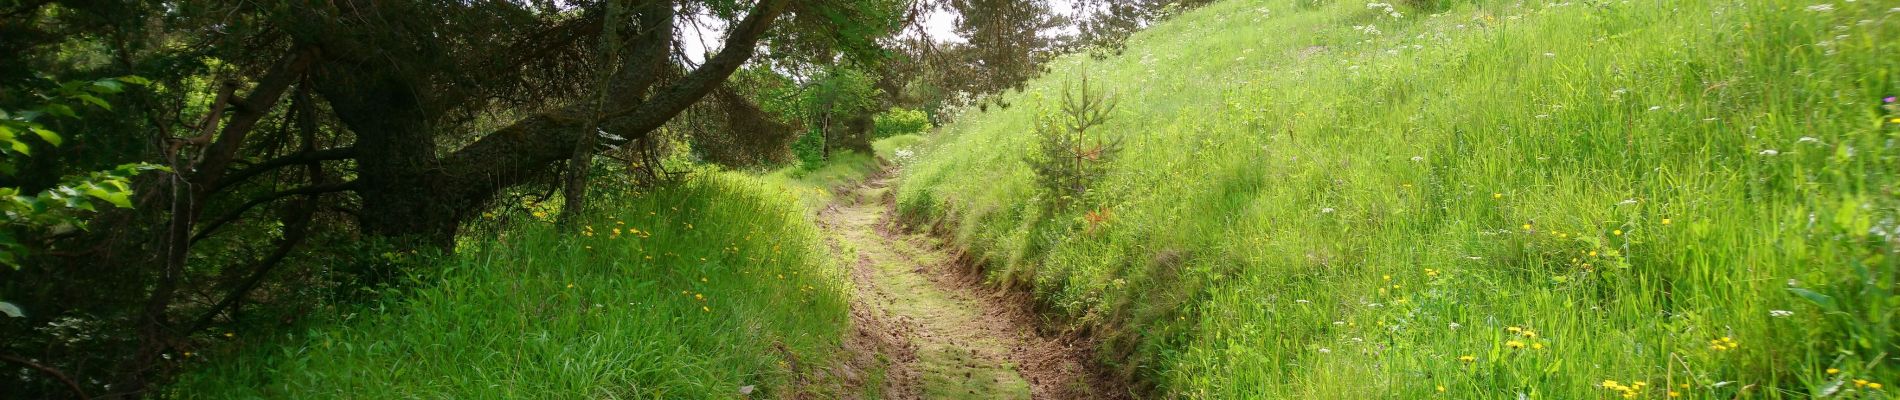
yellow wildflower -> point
(1831, 371)
(1497, 195)
(1467, 358)
(1514, 344)
(1618, 232)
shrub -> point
(810, 149)
(1071, 157)
(901, 121)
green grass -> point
(1306, 209)
(725, 284)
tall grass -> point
(1491, 199)
(689, 291)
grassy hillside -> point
(1487, 199)
(692, 291)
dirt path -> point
(939, 332)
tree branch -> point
(61, 377)
(247, 112)
(512, 154)
(306, 157)
(239, 211)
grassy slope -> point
(541, 314)
(1305, 209)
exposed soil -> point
(934, 328)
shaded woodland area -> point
(277, 159)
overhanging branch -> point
(239, 211)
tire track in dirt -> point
(937, 331)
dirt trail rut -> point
(939, 332)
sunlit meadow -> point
(1468, 199)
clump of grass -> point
(696, 290)
(1489, 199)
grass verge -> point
(699, 290)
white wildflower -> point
(1770, 152)
(1780, 313)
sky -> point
(704, 33)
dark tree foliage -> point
(317, 147)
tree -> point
(372, 123)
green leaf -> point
(117, 198)
(135, 79)
(1826, 302)
(11, 310)
(95, 100)
(20, 147)
(60, 110)
(106, 86)
(47, 135)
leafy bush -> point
(901, 121)
(62, 207)
(810, 149)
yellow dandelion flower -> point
(570, 286)
(1467, 358)
(1665, 221)
(699, 296)
(1873, 385)
(705, 308)
(1497, 195)
(1618, 232)
(1387, 277)
(1441, 388)
(1832, 371)
(1673, 393)
(1610, 384)
(1514, 329)
(1860, 383)
(1514, 344)
(1593, 253)
(1537, 346)
(1527, 227)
